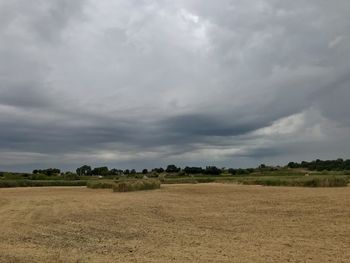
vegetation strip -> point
(331, 173)
(37, 183)
(136, 185)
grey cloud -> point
(25, 95)
(333, 100)
(206, 125)
(142, 83)
(42, 19)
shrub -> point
(136, 185)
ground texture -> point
(178, 223)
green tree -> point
(84, 170)
(171, 168)
(100, 171)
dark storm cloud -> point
(144, 83)
(259, 153)
(25, 95)
(206, 125)
(56, 135)
(333, 100)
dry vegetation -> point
(136, 185)
(177, 223)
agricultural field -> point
(213, 222)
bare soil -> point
(178, 223)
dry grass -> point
(103, 184)
(136, 185)
(313, 181)
(177, 223)
(40, 183)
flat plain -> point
(177, 223)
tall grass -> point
(106, 184)
(206, 179)
(136, 185)
(314, 181)
(37, 183)
(40, 177)
(183, 180)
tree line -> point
(48, 172)
(87, 170)
(317, 165)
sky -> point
(146, 83)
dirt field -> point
(178, 223)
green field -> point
(280, 177)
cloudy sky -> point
(145, 83)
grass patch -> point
(94, 184)
(36, 183)
(205, 179)
(312, 181)
(183, 180)
(189, 180)
(136, 185)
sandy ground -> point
(178, 223)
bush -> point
(136, 185)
